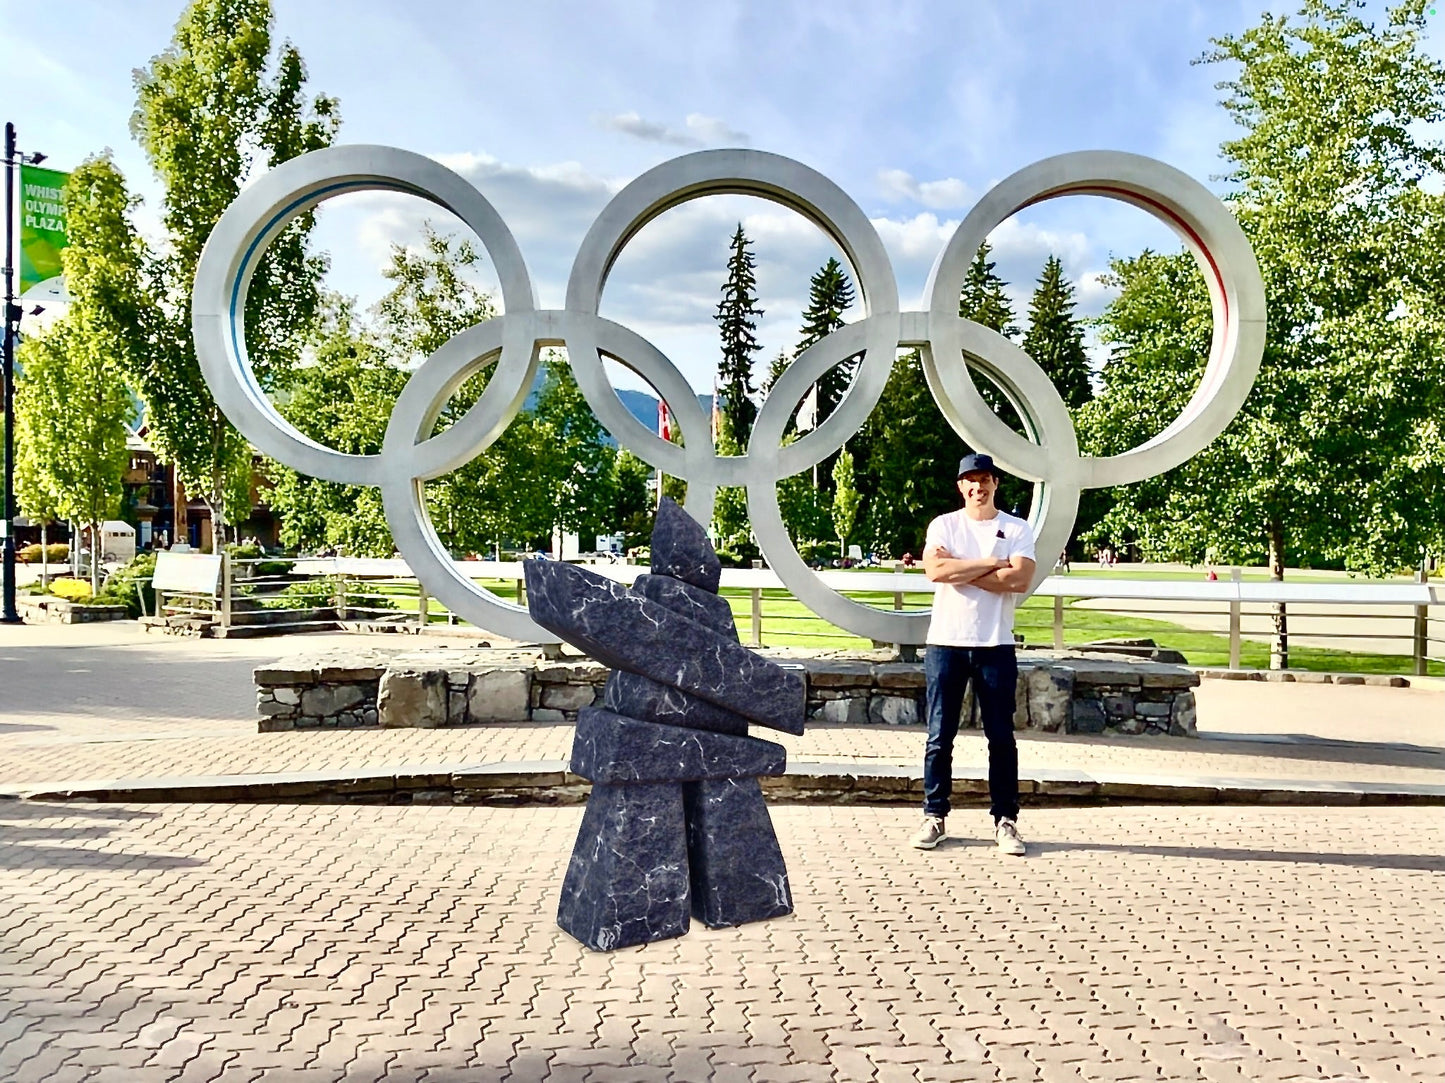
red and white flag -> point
(664, 421)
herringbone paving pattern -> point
(298, 943)
(41, 756)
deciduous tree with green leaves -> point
(218, 105)
(631, 508)
(73, 401)
(846, 500)
(576, 459)
(75, 393)
(1337, 454)
(342, 398)
(37, 414)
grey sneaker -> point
(930, 834)
(1009, 842)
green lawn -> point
(788, 623)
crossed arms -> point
(993, 574)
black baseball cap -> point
(977, 463)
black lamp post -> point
(8, 612)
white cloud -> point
(714, 131)
(950, 193)
(634, 125)
(702, 130)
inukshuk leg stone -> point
(672, 768)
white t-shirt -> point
(969, 616)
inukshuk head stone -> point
(676, 826)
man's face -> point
(977, 489)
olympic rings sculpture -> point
(949, 345)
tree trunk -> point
(1279, 648)
(44, 561)
(95, 556)
(216, 502)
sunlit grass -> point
(788, 623)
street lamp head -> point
(36, 158)
(37, 310)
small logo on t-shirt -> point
(999, 534)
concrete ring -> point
(240, 239)
(1222, 252)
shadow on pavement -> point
(64, 857)
(24, 827)
(125, 682)
(1407, 862)
(1301, 748)
(29, 811)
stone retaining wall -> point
(1057, 692)
(48, 609)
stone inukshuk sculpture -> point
(676, 825)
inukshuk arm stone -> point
(613, 748)
(638, 697)
(624, 630)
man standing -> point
(982, 559)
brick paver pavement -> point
(360, 943)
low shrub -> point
(308, 594)
(321, 593)
(740, 554)
(131, 584)
(72, 590)
(55, 553)
(249, 551)
(818, 554)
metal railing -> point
(365, 592)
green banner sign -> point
(42, 231)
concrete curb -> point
(1306, 676)
(548, 782)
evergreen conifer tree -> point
(912, 451)
(982, 298)
(737, 320)
(830, 294)
(1054, 338)
(984, 301)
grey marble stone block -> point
(680, 548)
(624, 630)
(627, 882)
(639, 697)
(735, 863)
(694, 603)
(611, 748)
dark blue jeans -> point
(995, 673)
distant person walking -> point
(982, 559)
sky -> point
(913, 108)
